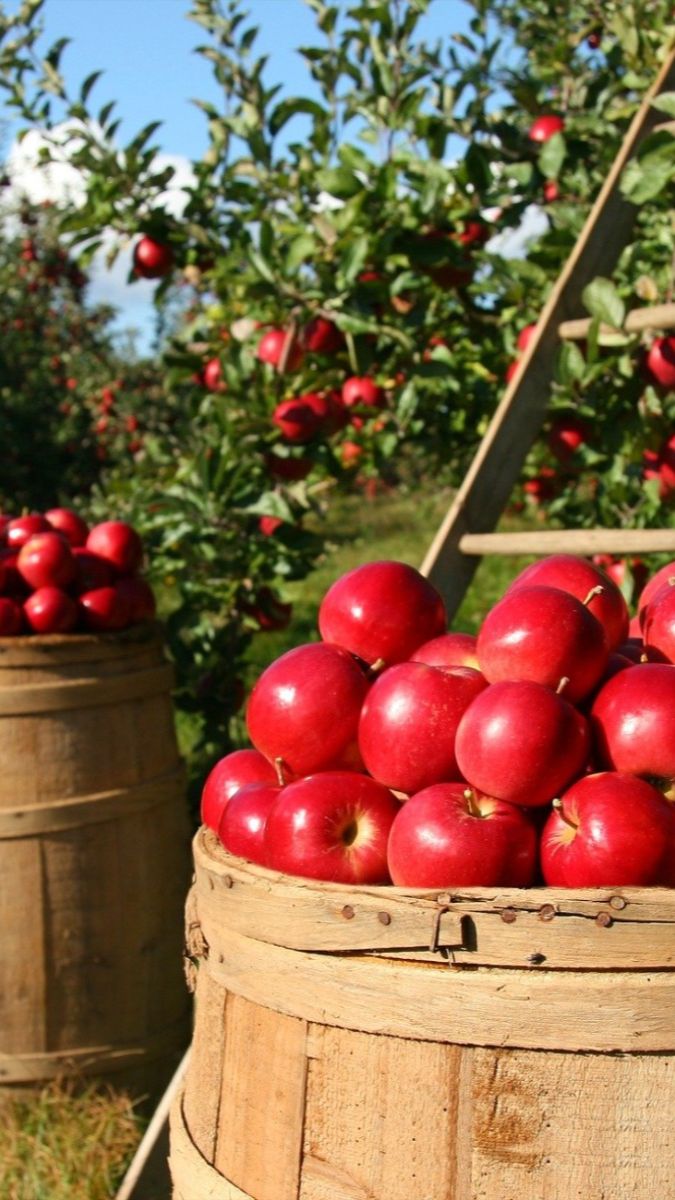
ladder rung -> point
(570, 541)
(657, 316)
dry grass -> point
(65, 1145)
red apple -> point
(659, 625)
(633, 720)
(304, 708)
(362, 390)
(449, 836)
(608, 830)
(350, 454)
(381, 611)
(511, 370)
(329, 410)
(521, 742)
(322, 336)
(269, 525)
(271, 347)
(409, 721)
(579, 577)
(91, 571)
(544, 127)
(297, 419)
(334, 826)
(544, 635)
(658, 579)
(51, 610)
(152, 259)
(212, 376)
(242, 823)
(268, 609)
(139, 598)
(20, 529)
(550, 191)
(525, 336)
(67, 522)
(104, 609)
(119, 543)
(449, 650)
(542, 486)
(565, 437)
(231, 773)
(46, 560)
(660, 361)
(11, 617)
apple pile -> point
(540, 750)
(59, 576)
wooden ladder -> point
(466, 534)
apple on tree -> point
(152, 259)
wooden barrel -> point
(94, 861)
(357, 1043)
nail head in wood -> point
(227, 880)
(508, 915)
(546, 912)
(617, 902)
(347, 912)
(384, 918)
(604, 920)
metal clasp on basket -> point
(443, 905)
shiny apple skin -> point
(633, 722)
(660, 361)
(652, 586)
(69, 523)
(623, 835)
(381, 610)
(332, 825)
(231, 773)
(46, 560)
(659, 625)
(119, 543)
(51, 610)
(520, 742)
(304, 708)
(242, 823)
(543, 127)
(139, 597)
(449, 835)
(409, 721)
(103, 609)
(448, 650)
(91, 571)
(20, 529)
(359, 389)
(578, 576)
(543, 634)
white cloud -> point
(61, 184)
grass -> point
(64, 1146)
(60, 1145)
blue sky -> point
(146, 48)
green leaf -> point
(338, 181)
(552, 156)
(88, 85)
(289, 108)
(665, 103)
(261, 265)
(570, 365)
(478, 167)
(300, 249)
(644, 180)
(601, 299)
(354, 258)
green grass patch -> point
(65, 1145)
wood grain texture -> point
(263, 1091)
(593, 928)
(94, 861)
(193, 1177)
(571, 541)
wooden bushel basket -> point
(94, 862)
(356, 1043)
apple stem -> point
(280, 768)
(595, 591)
(376, 667)
(557, 804)
(562, 685)
(470, 797)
